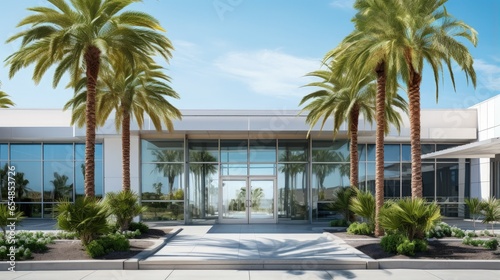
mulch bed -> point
(73, 250)
(451, 249)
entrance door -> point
(248, 200)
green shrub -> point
(390, 242)
(124, 206)
(107, 244)
(339, 223)
(87, 217)
(360, 229)
(444, 230)
(406, 248)
(342, 201)
(95, 249)
(490, 210)
(420, 245)
(142, 227)
(26, 243)
(491, 244)
(412, 217)
(363, 205)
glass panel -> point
(31, 210)
(292, 191)
(440, 147)
(362, 152)
(428, 178)
(447, 182)
(80, 151)
(261, 151)
(406, 152)
(370, 152)
(262, 199)
(25, 151)
(203, 151)
(292, 150)
(28, 180)
(234, 169)
(163, 211)
(327, 151)
(79, 179)
(406, 179)
(392, 186)
(392, 152)
(4, 177)
(162, 181)
(234, 199)
(263, 169)
(362, 175)
(327, 177)
(162, 151)
(58, 151)
(49, 210)
(370, 177)
(203, 191)
(58, 181)
(4, 151)
(233, 151)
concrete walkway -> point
(381, 274)
(255, 247)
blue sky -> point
(253, 54)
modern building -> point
(248, 166)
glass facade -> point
(194, 187)
(47, 173)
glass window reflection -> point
(26, 152)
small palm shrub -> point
(87, 217)
(491, 211)
(124, 207)
(342, 201)
(475, 206)
(412, 217)
(363, 205)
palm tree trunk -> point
(125, 149)
(379, 143)
(416, 151)
(354, 145)
(92, 62)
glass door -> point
(262, 201)
(248, 200)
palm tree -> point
(365, 51)
(343, 99)
(5, 101)
(430, 36)
(323, 170)
(77, 37)
(130, 92)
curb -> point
(129, 264)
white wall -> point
(488, 126)
(113, 163)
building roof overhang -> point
(488, 148)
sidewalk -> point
(253, 274)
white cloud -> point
(342, 4)
(268, 72)
(488, 75)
